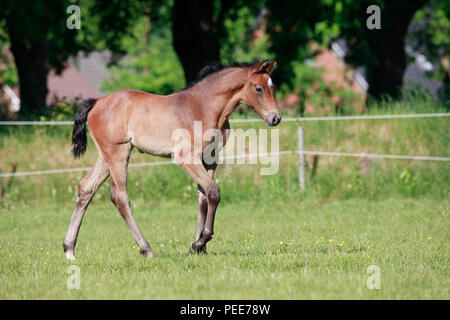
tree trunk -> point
(27, 26)
(31, 62)
(194, 35)
(388, 45)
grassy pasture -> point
(282, 250)
(271, 242)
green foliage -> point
(292, 25)
(293, 30)
(239, 29)
(114, 20)
(138, 33)
(150, 66)
(9, 75)
(431, 37)
(435, 35)
(61, 110)
(36, 22)
(317, 96)
(8, 71)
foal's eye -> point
(259, 89)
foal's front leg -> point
(210, 190)
(203, 208)
(202, 212)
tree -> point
(292, 26)
(429, 34)
(197, 26)
(150, 66)
(39, 41)
(193, 23)
(195, 34)
(381, 51)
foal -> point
(129, 118)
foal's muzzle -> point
(272, 119)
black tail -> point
(79, 139)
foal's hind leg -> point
(86, 190)
(118, 165)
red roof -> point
(69, 85)
(336, 71)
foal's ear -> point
(258, 66)
(263, 66)
(269, 66)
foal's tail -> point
(79, 139)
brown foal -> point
(129, 118)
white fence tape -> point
(325, 153)
(373, 155)
(386, 116)
(158, 163)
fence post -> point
(301, 159)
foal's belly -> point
(153, 145)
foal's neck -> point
(222, 93)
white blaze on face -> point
(269, 83)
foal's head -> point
(258, 92)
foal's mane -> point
(215, 67)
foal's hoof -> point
(70, 255)
(195, 248)
(146, 253)
(68, 250)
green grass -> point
(283, 250)
(388, 213)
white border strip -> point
(386, 116)
(158, 163)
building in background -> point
(71, 85)
(94, 67)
